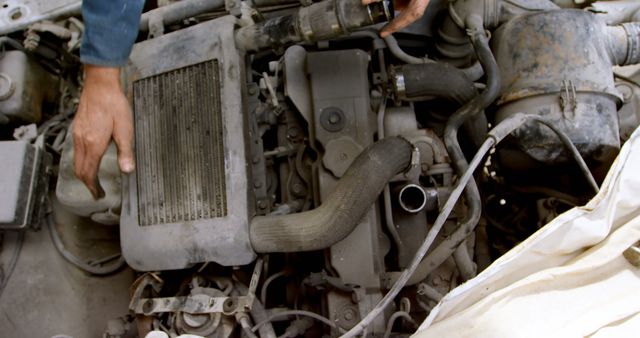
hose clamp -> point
(633, 42)
(399, 84)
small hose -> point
(401, 55)
(464, 261)
(340, 213)
(480, 41)
(430, 292)
(392, 320)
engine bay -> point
(297, 174)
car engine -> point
(297, 174)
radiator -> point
(187, 202)
(180, 146)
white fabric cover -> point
(569, 279)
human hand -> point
(411, 11)
(103, 113)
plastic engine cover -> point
(187, 203)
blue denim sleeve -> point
(111, 28)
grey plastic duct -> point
(340, 213)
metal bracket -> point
(568, 98)
(193, 304)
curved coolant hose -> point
(342, 210)
(496, 135)
(437, 79)
(480, 41)
(444, 81)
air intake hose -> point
(341, 211)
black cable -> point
(627, 79)
(13, 262)
(97, 270)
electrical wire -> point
(566, 141)
(298, 313)
(627, 79)
(12, 262)
(94, 269)
(496, 135)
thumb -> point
(125, 158)
(123, 136)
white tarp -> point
(570, 279)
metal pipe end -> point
(412, 198)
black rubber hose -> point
(444, 81)
(480, 42)
(448, 246)
(436, 79)
(340, 213)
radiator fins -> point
(180, 146)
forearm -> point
(111, 29)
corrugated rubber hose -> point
(342, 210)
